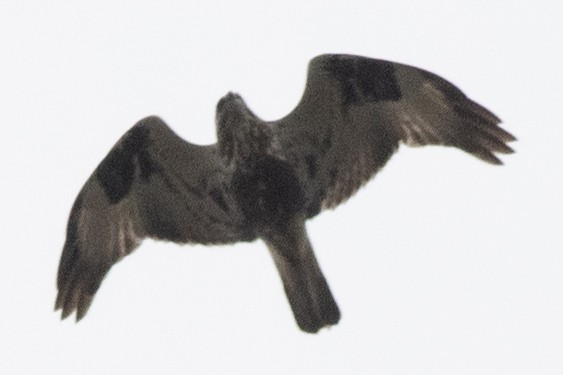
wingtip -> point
(500, 147)
(509, 150)
(506, 136)
(57, 304)
(68, 307)
(60, 305)
(504, 149)
(511, 138)
(83, 306)
(490, 158)
(65, 313)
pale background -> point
(442, 265)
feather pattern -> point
(356, 111)
(263, 180)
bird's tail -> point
(305, 286)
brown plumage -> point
(263, 180)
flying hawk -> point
(264, 180)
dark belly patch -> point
(268, 191)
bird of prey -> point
(264, 180)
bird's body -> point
(263, 180)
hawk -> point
(264, 180)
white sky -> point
(442, 265)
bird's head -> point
(240, 134)
(229, 107)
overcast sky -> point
(441, 265)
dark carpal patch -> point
(268, 192)
(363, 79)
(147, 165)
(117, 171)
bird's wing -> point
(355, 112)
(151, 184)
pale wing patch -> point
(435, 94)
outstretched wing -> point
(151, 184)
(355, 112)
